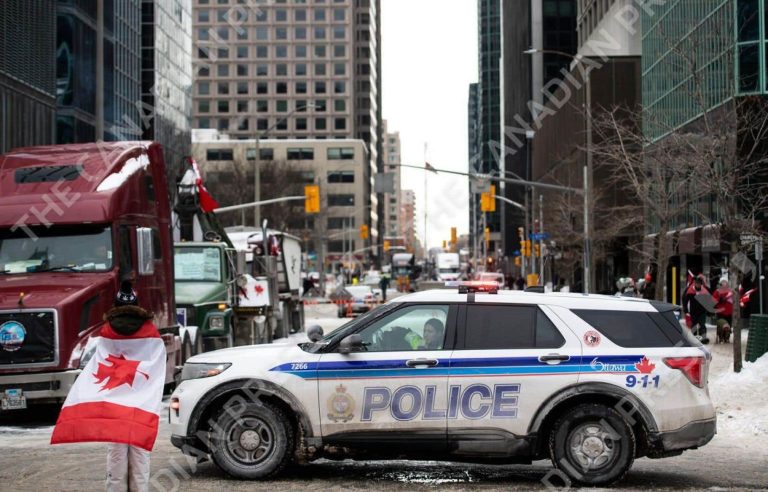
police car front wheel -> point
(253, 441)
(592, 445)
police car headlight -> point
(196, 371)
(217, 322)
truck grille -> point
(27, 338)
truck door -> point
(509, 359)
(397, 388)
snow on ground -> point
(741, 400)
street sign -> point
(480, 186)
(759, 251)
(743, 263)
(539, 236)
(750, 238)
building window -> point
(223, 106)
(203, 88)
(339, 69)
(320, 51)
(281, 51)
(301, 33)
(204, 15)
(281, 15)
(262, 70)
(341, 177)
(262, 88)
(301, 51)
(243, 124)
(339, 14)
(301, 106)
(222, 70)
(282, 106)
(262, 106)
(242, 70)
(219, 154)
(339, 32)
(339, 51)
(262, 34)
(204, 71)
(301, 69)
(320, 124)
(320, 105)
(339, 87)
(300, 154)
(262, 124)
(300, 15)
(301, 124)
(204, 123)
(319, 87)
(282, 88)
(281, 70)
(204, 106)
(340, 124)
(301, 87)
(319, 15)
(223, 88)
(242, 52)
(242, 106)
(282, 125)
(281, 33)
(341, 153)
(242, 88)
(340, 222)
(262, 52)
(223, 52)
(341, 200)
(202, 34)
(340, 105)
(250, 154)
(267, 154)
(223, 125)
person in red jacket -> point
(692, 307)
(723, 297)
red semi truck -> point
(75, 220)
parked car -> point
(491, 277)
(354, 299)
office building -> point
(474, 156)
(286, 165)
(27, 73)
(408, 221)
(166, 77)
(98, 71)
(391, 201)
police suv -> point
(590, 382)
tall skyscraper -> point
(291, 69)
(27, 73)
(392, 161)
(474, 157)
(166, 76)
(98, 74)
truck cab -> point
(76, 220)
(203, 280)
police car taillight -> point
(477, 286)
(692, 367)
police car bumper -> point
(690, 436)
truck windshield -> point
(197, 264)
(81, 248)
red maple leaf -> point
(644, 366)
(259, 289)
(122, 371)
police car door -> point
(509, 360)
(394, 392)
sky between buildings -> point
(429, 58)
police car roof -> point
(566, 300)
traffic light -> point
(363, 232)
(487, 236)
(518, 261)
(527, 248)
(312, 199)
(536, 250)
(386, 246)
(454, 238)
(444, 243)
(487, 201)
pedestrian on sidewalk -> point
(723, 298)
(384, 285)
(693, 307)
(118, 397)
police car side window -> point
(420, 327)
(509, 327)
(626, 328)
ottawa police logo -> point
(12, 335)
(341, 406)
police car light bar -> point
(470, 287)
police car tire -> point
(281, 447)
(618, 466)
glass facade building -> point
(687, 61)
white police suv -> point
(590, 382)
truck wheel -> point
(199, 343)
(593, 445)
(255, 443)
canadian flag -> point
(118, 396)
(207, 202)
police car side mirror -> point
(351, 343)
(315, 333)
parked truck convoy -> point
(447, 266)
(76, 220)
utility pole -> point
(541, 236)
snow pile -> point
(741, 400)
(131, 166)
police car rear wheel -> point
(593, 445)
(254, 443)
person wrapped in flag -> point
(117, 399)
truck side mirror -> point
(351, 343)
(145, 250)
(315, 333)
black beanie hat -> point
(126, 296)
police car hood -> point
(253, 354)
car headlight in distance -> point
(217, 322)
(202, 370)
